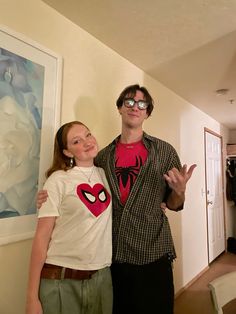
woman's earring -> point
(71, 162)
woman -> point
(72, 247)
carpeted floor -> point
(196, 299)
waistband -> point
(167, 258)
(50, 271)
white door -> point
(214, 195)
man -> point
(142, 172)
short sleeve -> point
(52, 205)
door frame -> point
(206, 130)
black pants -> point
(143, 289)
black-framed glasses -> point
(130, 102)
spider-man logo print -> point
(127, 175)
(96, 198)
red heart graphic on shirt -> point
(95, 198)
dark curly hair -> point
(131, 91)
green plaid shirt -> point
(141, 231)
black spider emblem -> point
(128, 174)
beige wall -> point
(93, 76)
(14, 259)
(232, 137)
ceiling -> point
(187, 45)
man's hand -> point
(177, 179)
(163, 207)
(41, 198)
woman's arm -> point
(38, 256)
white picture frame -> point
(13, 229)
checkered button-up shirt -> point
(141, 231)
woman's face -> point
(81, 145)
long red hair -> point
(60, 160)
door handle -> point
(209, 203)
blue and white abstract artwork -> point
(21, 102)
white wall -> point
(93, 77)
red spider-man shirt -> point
(129, 159)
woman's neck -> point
(85, 164)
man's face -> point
(133, 117)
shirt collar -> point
(145, 138)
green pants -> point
(67, 296)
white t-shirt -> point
(82, 236)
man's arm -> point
(177, 181)
(41, 198)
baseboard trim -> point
(177, 294)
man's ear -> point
(67, 153)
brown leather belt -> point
(57, 272)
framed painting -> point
(30, 95)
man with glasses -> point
(143, 172)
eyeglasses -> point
(130, 102)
